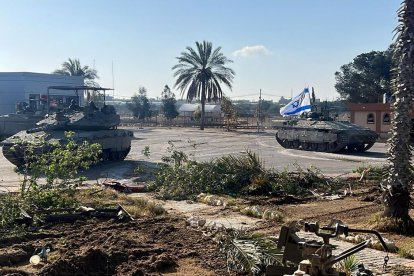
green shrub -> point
(10, 204)
(49, 177)
(182, 178)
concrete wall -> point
(18, 86)
(359, 116)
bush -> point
(181, 178)
(49, 177)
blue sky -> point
(277, 46)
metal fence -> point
(241, 123)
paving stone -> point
(371, 258)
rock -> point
(201, 222)
(195, 222)
(350, 239)
(158, 209)
(208, 199)
(218, 202)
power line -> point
(255, 94)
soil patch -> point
(147, 246)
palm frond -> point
(251, 253)
(72, 67)
(348, 265)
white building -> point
(187, 112)
(31, 88)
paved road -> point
(214, 143)
(211, 143)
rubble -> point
(124, 187)
(70, 215)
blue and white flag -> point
(299, 104)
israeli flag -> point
(299, 104)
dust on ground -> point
(147, 246)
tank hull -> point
(13, 123)
(324, 136)
(115, 144)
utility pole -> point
(259, 111)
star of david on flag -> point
(299, 104)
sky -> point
(278, 46)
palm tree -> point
(397, 184)
(72, 67)
(200, 73)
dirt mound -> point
(91, 262)
(147, 246)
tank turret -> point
(89, 123)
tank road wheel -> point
(106, 154)
(321, 147)
(363, 147)
(369, 145)
(331, 147)
(313, 146)
(280, 141)
(359, 148)
(288, 144)
(115, 155)
(351, 147)
(295, 144)
(123, 154)
(304, 145)
(12, 156)
(335, 147)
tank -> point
(323, 135)
(25, 117)
(89, 123)
(11, 124)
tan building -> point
(376, 116)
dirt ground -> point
(149, 246)
(167, 245)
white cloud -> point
(249, 51)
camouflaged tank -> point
(11, 124)
(92, 124)
(323, 135)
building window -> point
(370, 118)
(386, 119)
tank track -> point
(11, 155)
(113, 155)
(107, 155)
(322, 147)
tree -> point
(140, 105)
(201, 72)
(245, 108)
(169, 103)
(269, 108)
(367, 78)
(72, 67)
(397, 184)
(228, 109)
